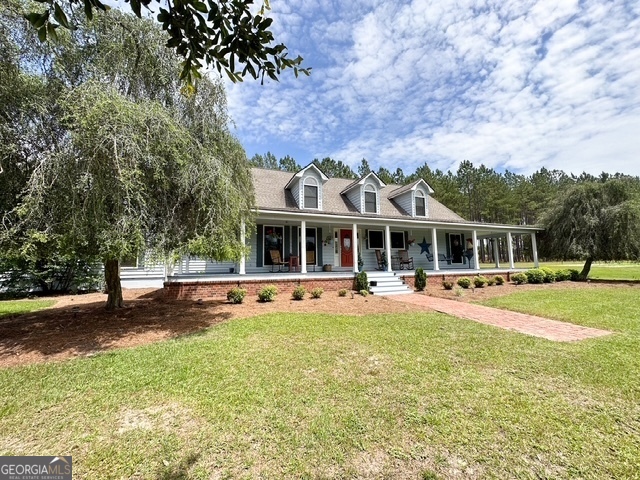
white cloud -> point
(517, 85)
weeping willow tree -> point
(136, 166)
(594, 222)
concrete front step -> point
(386, 283)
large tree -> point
(594, 221)
(138, 167)
(226, 34)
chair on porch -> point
(311, 259)
(381, 262)
(443, 258)
(405, 259)
(276, 259)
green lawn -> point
(316, 396)
(599, 270)
(11, 307)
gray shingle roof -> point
(271, 195)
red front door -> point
(346, 248)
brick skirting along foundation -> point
(219, 289)
(434, 281)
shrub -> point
(491, 281)
(447, 285)
(519, 278)
(549, 275)
(299, 292)
(364, 292)
(575, 275)
(562, 275)
(362, 282)
(236, 295)
(459, 292)
(317, 292)
(342, 292)
(421, 279)
(464, 282)
(499, 280)
(479, 281)
(535, 275)
(267, 293)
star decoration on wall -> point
(424, 246)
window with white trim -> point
(421, 204)
(311, 193)
(370, 199)
(375, 240)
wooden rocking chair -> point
(276, 259)
(405, 259)
(381, 262)
(311, 259)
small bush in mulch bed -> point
(479, 281)
(464, 282)
(447, 285)
(549, 275)
(535, 275)
(499, 280)
(575, 275)
(299, 292)
(420, 279)
(317, 292)
(343, 292)
(362, 282)
(364, 293)
(236, 295)
(563, 275)
(519, 278)
(268, 293)
(491, 281)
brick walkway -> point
(519, 322)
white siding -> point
(405, 201)
(355, 197)
(295, 191)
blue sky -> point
(513, 85)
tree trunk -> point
(585, 270)
(112, 279)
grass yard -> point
(324, 396)
(599, 270)
(13, 307)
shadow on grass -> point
(86, 328)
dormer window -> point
(370, 199)
(421, 204)
(310, 193)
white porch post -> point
(434, 245)
(534, 248)
(354, 242)
(303, 246)
(510, 250)
(496, 252)
(387, 234)
(243, 261)
(476, 257)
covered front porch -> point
(332, 245)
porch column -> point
(510, 250)
(354, 237)
(303, 246)
(496, 252)
(243, 261)
(387, 234)
(534, 249)
(434, 245)
(476, 257)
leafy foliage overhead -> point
(225, 34)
